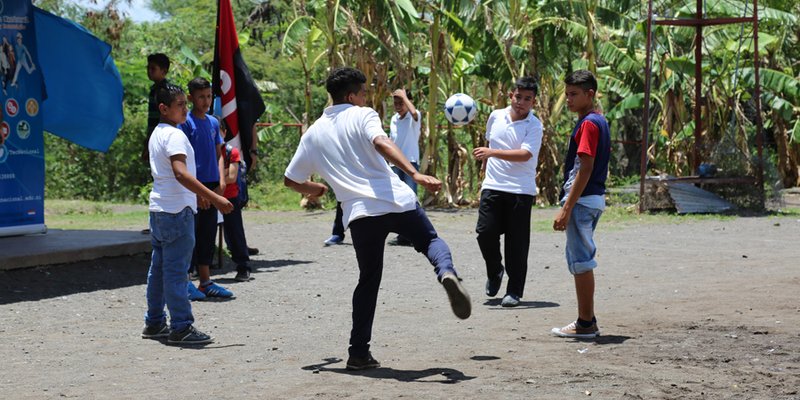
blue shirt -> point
(203, 134)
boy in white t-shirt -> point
(173, 203)
(404, 130)
(349, 149)
(509, 190)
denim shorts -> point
(580, 247)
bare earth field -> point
(704, 309)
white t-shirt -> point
(512, 176)
(168, 195)
(339, 147)
(405, 134)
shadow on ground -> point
(429, 375)
(522, 304)
(33, 284)
(38, 283)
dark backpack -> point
(241, 177)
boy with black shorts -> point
(203, 133)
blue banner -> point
(22, 148)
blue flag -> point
(83, 86)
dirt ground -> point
(702, 309)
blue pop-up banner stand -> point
(22, 150)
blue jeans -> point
(369, 236)
(407, 178)
(172, 237)
(580, 248)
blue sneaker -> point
(214, 290)
(334, 240)
(195, 293)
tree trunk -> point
(787, 164)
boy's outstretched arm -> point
(518, 155)
(188, 181)
(581, 180)
(313, 189)
(394, 155)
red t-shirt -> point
(232, 189)
(587, 137)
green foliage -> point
(289, 46)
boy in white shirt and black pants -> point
(348, 148)
(509, 190)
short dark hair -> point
(223, 126)
(198, 84)
(582, 78)
(343, 81)
(159, 59)
(168, 93)
(527, 83)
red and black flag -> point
(241, 102)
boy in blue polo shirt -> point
(583, 197)
(203, 133)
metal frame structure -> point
(699, 22)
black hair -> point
(159, 59)
(343, 81)
(168, 93)
(582, 78)
(527, 83)
(223, 126)
(198, 84)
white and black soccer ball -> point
(460, 109)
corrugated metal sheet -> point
(690, 199)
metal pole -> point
(698, 87)
(646, 111)
(759, 122)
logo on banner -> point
(1, 6)
(5, 130)
(3, 153)
(12, 107)
(23, 129)
(31, 106)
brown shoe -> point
(574, 330)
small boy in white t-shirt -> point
(404, 130)
(348, 148)
(173, 203)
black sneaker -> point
(493, 286)
(459, 299)
(242, 275)
(252, 251)
(155, 331)
(360, 363)
(189, 336)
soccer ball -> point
(460, 109)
